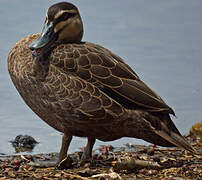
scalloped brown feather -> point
(100, 66)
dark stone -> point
(24, 143)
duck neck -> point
(40, 68)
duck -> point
(83, 89)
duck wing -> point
(111, 74)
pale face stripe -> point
(63, 11)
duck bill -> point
(45, 40)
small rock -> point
(24, 143)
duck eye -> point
(65, 16)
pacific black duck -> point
(82, 89)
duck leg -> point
(66, 139)
(87, 154)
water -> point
(160, 40)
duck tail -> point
(161, 130)
(169, 132)
(176, 140)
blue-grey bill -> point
(45, 38)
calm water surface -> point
(161, 40)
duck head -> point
(63, 24)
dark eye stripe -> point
(64, 17)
